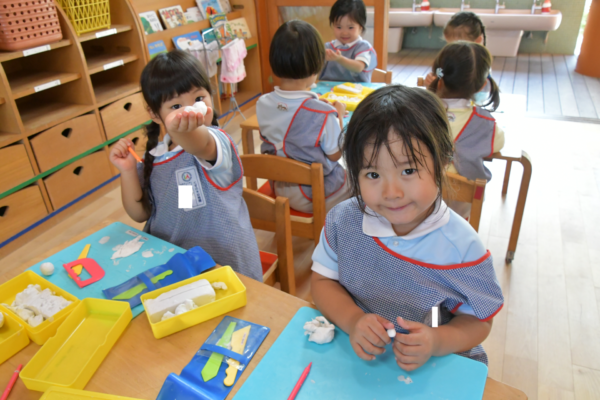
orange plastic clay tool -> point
(134, 154)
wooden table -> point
(138, 364)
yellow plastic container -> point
(13, 337)
(87, 15)
(47, 329)
(69, 359)
(350, 105)
(353, 88)
(56, 393)
(226, 300)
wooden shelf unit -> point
(24, 83)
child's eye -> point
(175, 106)
(409, 171)
(199, 98)
(372, 175)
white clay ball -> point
(391, 333)
(1, 320)
(198, 106)
(47, 268)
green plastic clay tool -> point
(211, 369)
(126, 295)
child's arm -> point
(498, 139)
(368, 335)
(188, 130)
(349, 64)
(131, 190)
(330, 140)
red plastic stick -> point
(11, 383)
(300, 382)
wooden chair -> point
(273, 215)
(248, 127)
(286, 170)
(381, 76)
(463, 189)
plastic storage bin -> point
(350, 105)
(47, 329)
(226, 300)
(87, 15)
(56, 393)
(27, 24)
(13, 337)
(69, 359)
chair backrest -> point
(381, 76)
(463, 189)
(264, 212)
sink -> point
(521, 20)
(404, 17)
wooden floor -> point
(546, 339)
(547, 83)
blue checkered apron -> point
(333, 71)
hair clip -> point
(439, 72)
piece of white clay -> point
(104, 239)
(319, 330)
(35, 321)
(198, 106)
(147, 254)
(391, 333)
(171, 250)
(219, 285)
(200, 292)
(35, 305)
(128, 248)
(47, 268)
(406, 380)
(1, 320)
(167, 315)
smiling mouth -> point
(397, 208)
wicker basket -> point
(87, 15)
(28, 24)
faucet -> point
(535, 7)
(414, 8)
(464, 6)
(498, 6)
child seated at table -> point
(394, 251)
(294, 123)
(194, 152)
(461, 70)
(349, 57)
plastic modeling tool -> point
(126, 295)
(96, 272)
(83, 254)
(238, 344)
(134, 154)
(211, 369)
(11, 383)
(300, 382)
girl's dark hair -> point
(465, 25)
(297, 51)
(411, 113)
(465, 67)
(167, 75)
(354, 9)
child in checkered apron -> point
(393, 251)
(194, 152)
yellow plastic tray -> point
(70, 358)
(340, 89)
(56, 393)
(47, 329)
(13, 337)
(226, 300)
(350, 105)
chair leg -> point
(506, 177)
(520, 209)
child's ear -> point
(440, 85)
(479, 40)
(153, 116)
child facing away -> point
(294, 123)
(395, 250)
(349, 57)
(194, 152)
(462, 70)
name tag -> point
(189, 176)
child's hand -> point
(340, 108)
(120, 157)
(180, 121)
(331, 55)
(414, 349)
(368, 336)
(429, 79)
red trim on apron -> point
(494, 314)
(290, 125)
(465, 126)
(224, 189)
(493, 139)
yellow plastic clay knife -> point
(78, 268)
(238, 344)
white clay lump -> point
(1, 320)
(391, 333)
(198, 106)
(47, 268)
(199, 293)
(128, 248)
(34, 305)
(219, 285)
(319, 330)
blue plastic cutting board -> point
(338, 373)
(125, 268)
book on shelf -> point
(155, 48)
(225, 6)
(222, 30)
(209, 36)
(240, 28)
(150, 22)
(172, 16)
(209, 7)
(188, 40)
(193, 14)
